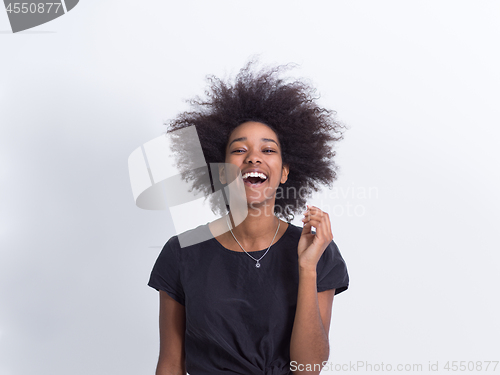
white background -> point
(416, 82)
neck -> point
(260, 225)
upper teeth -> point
(254, 174)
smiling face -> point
(255, 149)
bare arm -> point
(172, 326)
(309, 345)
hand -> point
(311, 246)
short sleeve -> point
(332, 270)
(166, 273)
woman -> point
(257, 298)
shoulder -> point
(332, 270)
(293, 231)
(190, 238)
(184, 246)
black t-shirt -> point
(239, 318)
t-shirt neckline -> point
(250, 252)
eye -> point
(268, 151)
(237, 151)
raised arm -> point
(172, 326)
(309, 346)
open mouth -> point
(254, 178)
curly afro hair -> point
(306, 132)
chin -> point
(258, 203)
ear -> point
(222, 174)
(284, 173)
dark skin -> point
(256, 145)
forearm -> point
(309, 342)
(163, 368)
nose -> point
(252, 157)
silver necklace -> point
(257, 264)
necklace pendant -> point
(257, 264)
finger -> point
(315, 223)
(309, 216)
(328, 226)
(313, 214)
(311, 208)
(316, 214)
(324, 229)
(314, 209)
(307, 228)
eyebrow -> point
(245, 138)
